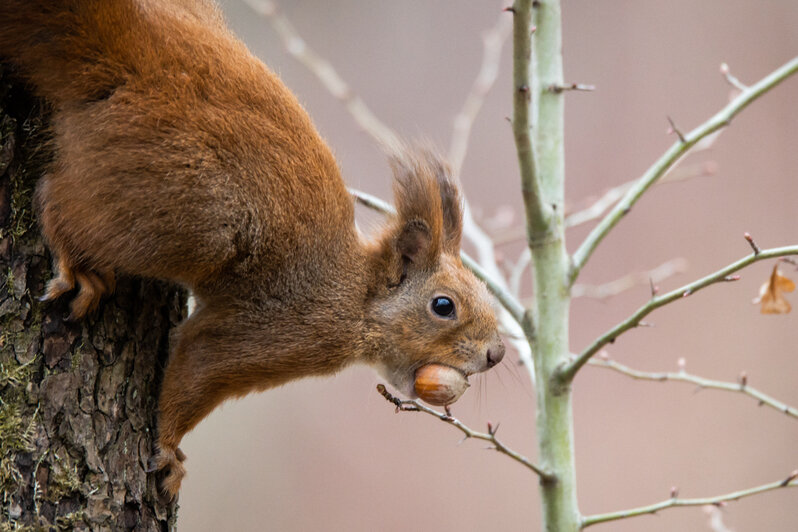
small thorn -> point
(731, 278)
(654, 288)
(509, 9)
(448, 410)
(743, 379)
(674, 129)
(687, 293)
(645, 324)
(793, 476)
(674, 492)
(751, 242)
(533, 29)
(681, 363)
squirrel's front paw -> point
(171, 463)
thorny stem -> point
(490, 436)
(789, 482)
(569, 370)
(674, 153)
(682, 376)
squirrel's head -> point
(426, 307)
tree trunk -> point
(78, 400)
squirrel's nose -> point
(495, 354)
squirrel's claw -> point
(172, 463)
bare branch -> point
(493, 41)
(789, 482)
(598, 207)
(490, 436)
(569, 370)
(720, 120)
(682, 376)
(323, 70)
(627, 282)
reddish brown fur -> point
(180, 156)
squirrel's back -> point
(81, 50)
(200, 157)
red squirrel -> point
(178, 155)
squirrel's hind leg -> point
(92, 286)
(92, 289)
(63, 282)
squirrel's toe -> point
(171, 462)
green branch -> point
(523, 90)
(789, 482)
(682, 146)
(569, 370)
(490, 436)
(682, 376)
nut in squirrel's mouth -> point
(440, 384)
(462, 372)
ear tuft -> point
(425, 193)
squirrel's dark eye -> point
(443, 307)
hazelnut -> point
(439, 385)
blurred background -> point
(330, 454)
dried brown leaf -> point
(771, 294)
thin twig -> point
(323, 70)
(682, 376)
(598, 207)
(627, 282)
(789, 482)
(676, 151)
(569, 370)
(492, 42)
(490, 436)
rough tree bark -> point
(77, 400)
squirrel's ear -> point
(428, 205)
